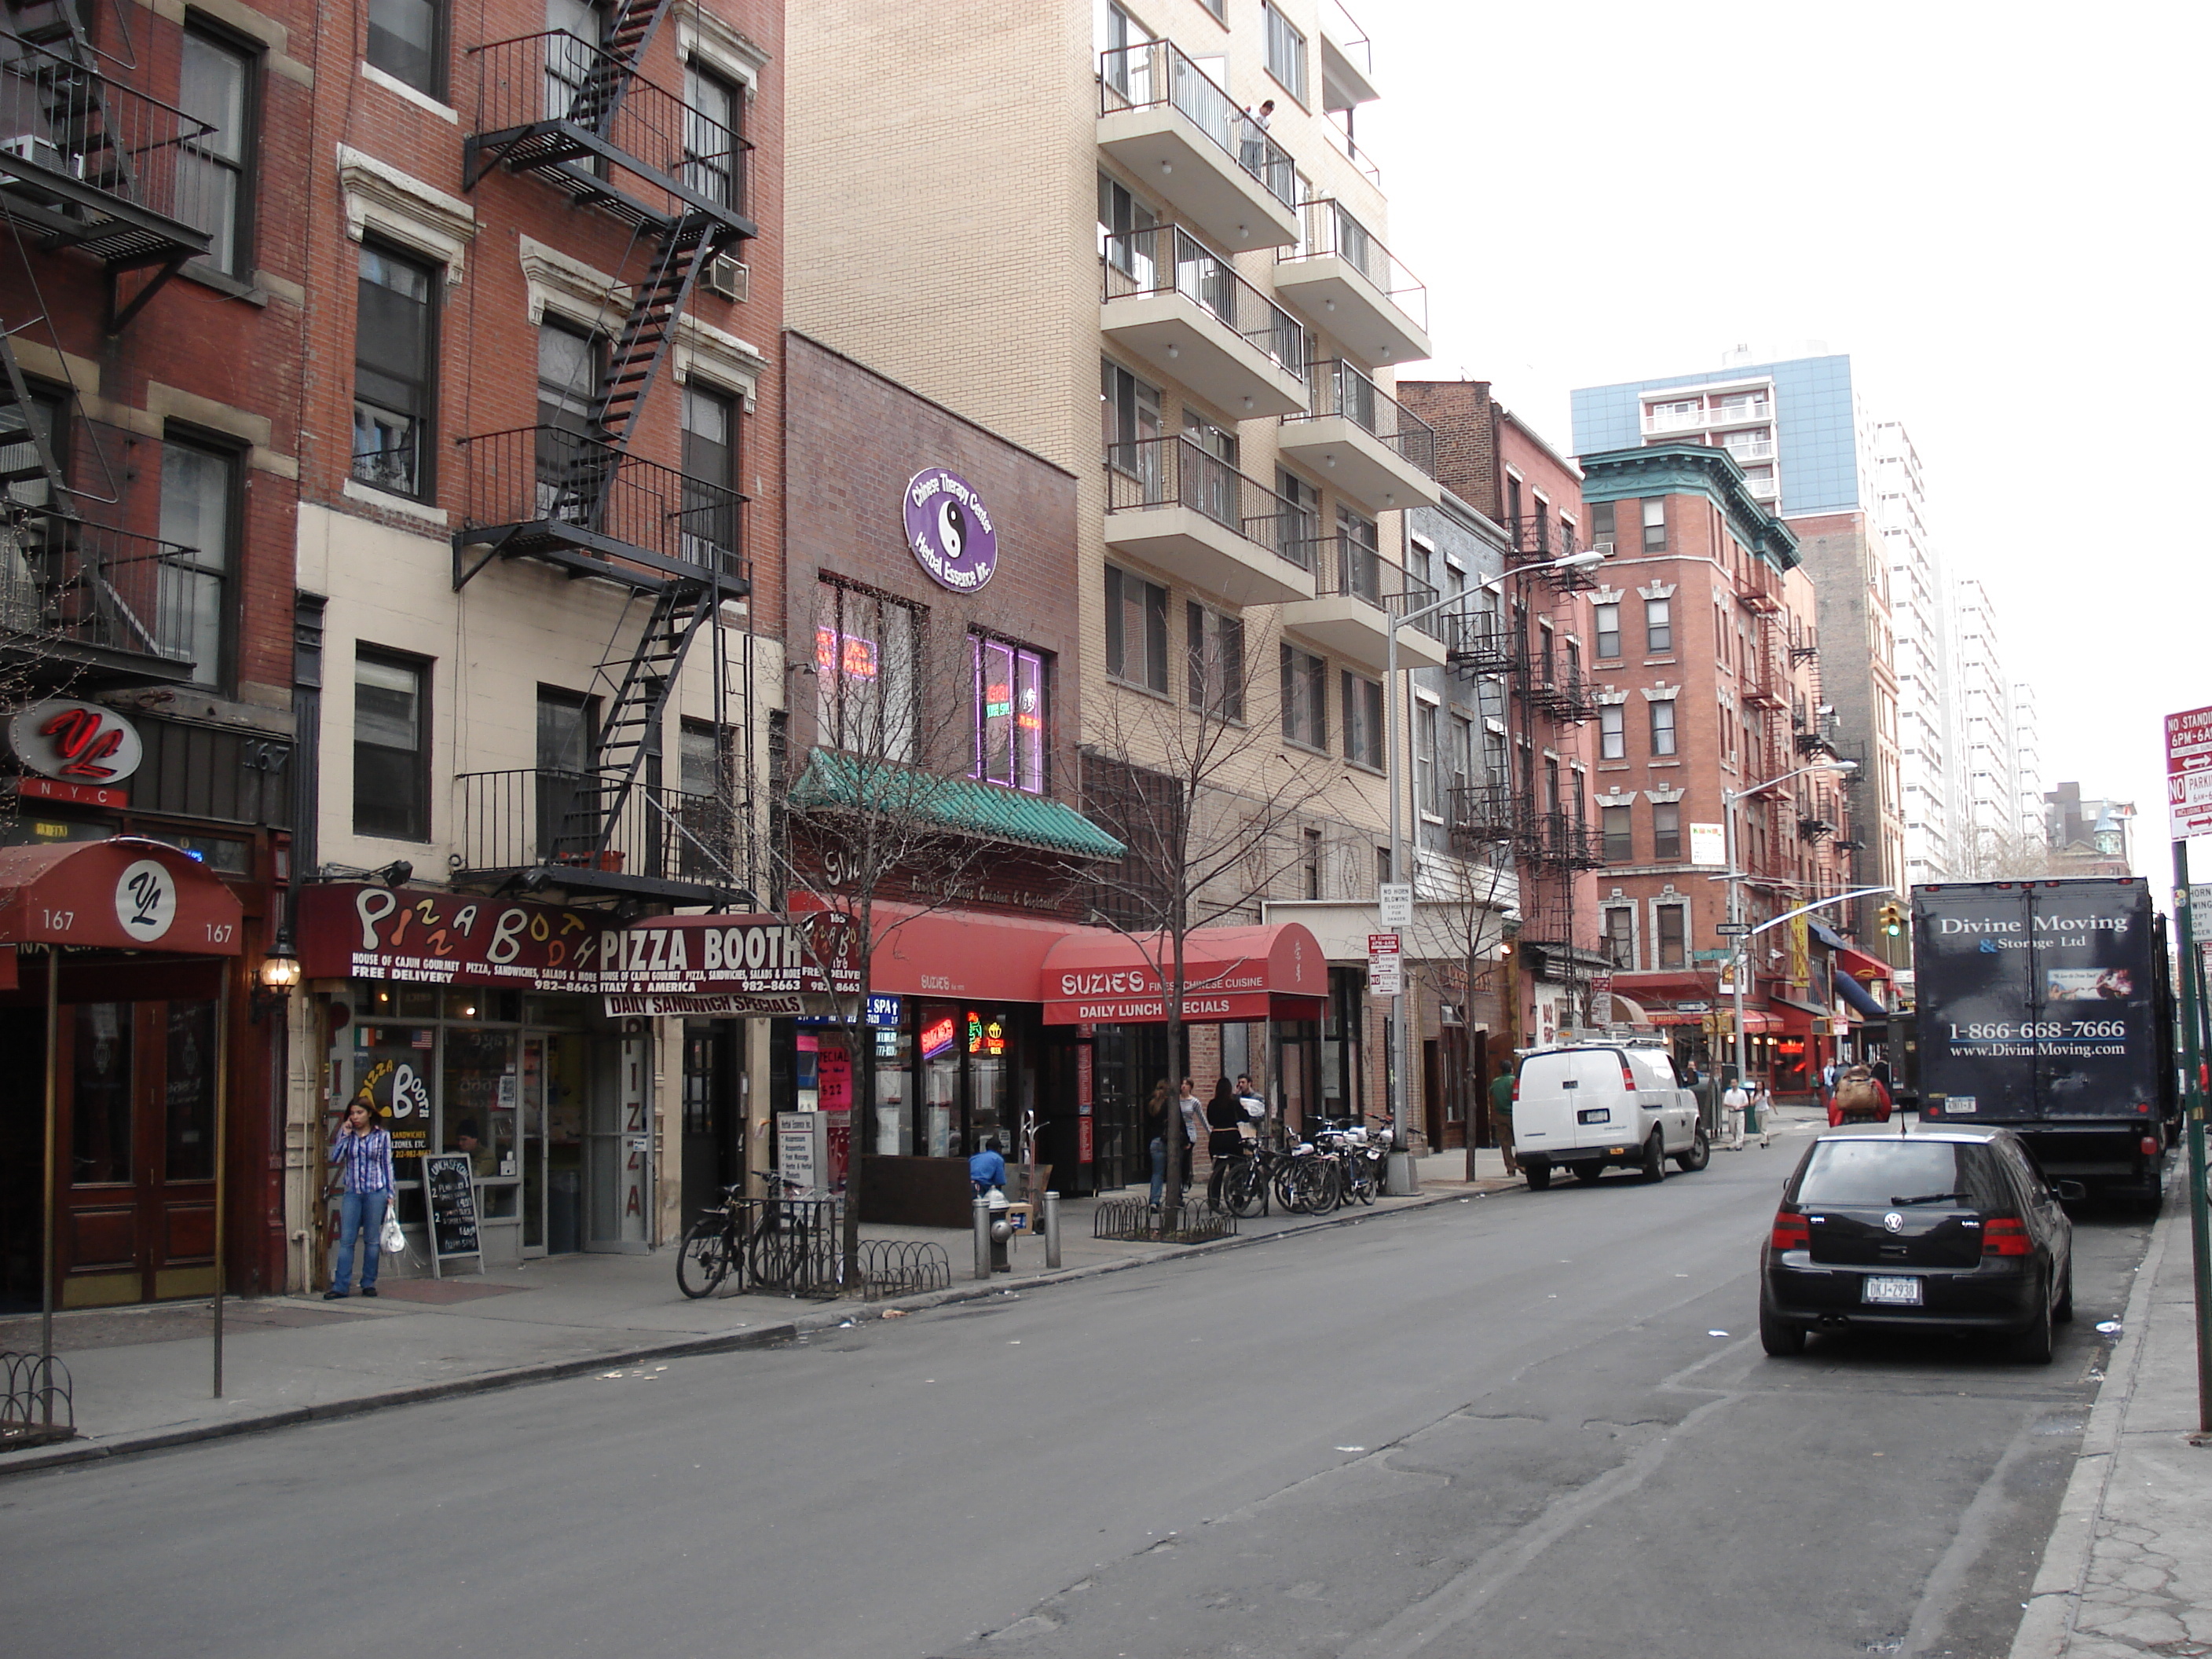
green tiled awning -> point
(961, 805)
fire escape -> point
(91, 176)
(580, 117)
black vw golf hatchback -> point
(1955, 1230)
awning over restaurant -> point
(1229, 974)
(959, 805)
(1753, 1020)
(1849, 957)
(125, 893)
(966, 955)
(1861, 1000)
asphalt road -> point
(1531, 1425)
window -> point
(866, 649)
(199, 512)
(1131, 409)
(1655, 524)
(1302, 520)
(216, 85)
(1123, 242)
(1216, 644)
(1658, 626)
(394, 373)
(390, 759)
(1426, 795)
(1010, 715)
(1363, 721)
(1671, 953)
(1663, 727)
(406, 41)
(18, 456)
(1381, 867)
(1613, 732)
(1309, 862)
(1286, 52)
(568, 792)
(714, 110)
(1305, 698)
(1608, 618)
(710, 479)
(1667, 829)
(1601, 522)
(569, 374)
(701, 810)
(1363, 562)
(1619, 834)
(1463, 751)
(1620, 937)
(1136, 631)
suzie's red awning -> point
(1276, 972)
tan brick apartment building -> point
(1085, 229)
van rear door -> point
(1544, 1107)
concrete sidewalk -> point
(142, 1376)
(2128, 1570)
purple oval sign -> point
(950, 530)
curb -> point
(835, 1317)
(2046, 1627)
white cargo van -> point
(1589, 1109)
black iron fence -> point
(534, 816)
(38, 1404)
(891, 1267)
(1137, 1220)
(1176, 472)
(1169, 260)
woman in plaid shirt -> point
(363, 1153)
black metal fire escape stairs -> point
(588, 506)
(88, 163)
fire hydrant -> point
(1004, 1226)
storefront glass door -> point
(618, 1151)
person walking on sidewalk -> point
(362, 1152)
(1156, 1137)
(1193, 1125)
(1732, 1104)
(1763, 1107)
(1225, 1138)
(1501, 1116)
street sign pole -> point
(2189, 801)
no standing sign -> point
(2189, 772)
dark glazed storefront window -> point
(101, 1148)
(190, 1092)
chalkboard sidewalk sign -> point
(450, 1184)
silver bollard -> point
(1052, 1229)
(983, 1238)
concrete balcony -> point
(1356, 593)
(1162, 117)
(1366, 446)
(1347, 61)
(1182, 308)
(1186, 512)
(1347, 280)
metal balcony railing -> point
(1555, 689)
(1338, 388)
(1169, 260)
(1481, 811)
(64, 583)
(1348, 567)
(1176, 472)
(541, 487)
(1563, 841)
(1476, 643)
(100, 165)
(539, 816)
(1331, 229)
(1156, 72)
(547, 99)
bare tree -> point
(1209, 801)
(1999, 856)
(1458, 925)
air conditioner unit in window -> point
(1605, 547)
(29, 147)
(728, 277)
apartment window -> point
(1601, 522)
(1302, 527)
(1363, 720)
(710, 479)
(1655, 524)
(407, 41)
(569, 370)
(391, 755)
(1122, 68)
(1011, 685)
(1613, 732)
(1216, 644)
(1360, 544)
(395, 371)
(567, 788)
(714, 110)
(1663, 727)
(1671, 931)
(1305, 698)
(1286, 52)
(1136, 631)
(1620, 937)
(1608, 618)
(1426, 795)
(1667, 829)
(1658, 626)
(199, 512)
(216, 85)
(1123, 221)
(1131, 412)
(1513, 503)
(867, 649)
(1497, 769)
(1309, 862)
(701, 810)
(1619, 834)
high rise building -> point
(1928, 737)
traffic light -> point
(1892, 920)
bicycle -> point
(773, 1251)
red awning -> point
(1753, 1020)
(967, 955)
(1861, 966)
(122, 893)
(1229, 974)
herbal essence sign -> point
(950, 530)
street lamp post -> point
(1399, 864)
(1742, 965)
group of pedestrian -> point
(1229, 1120)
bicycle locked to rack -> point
(785, 1244)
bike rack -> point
(1135, 1220)
(39, 1404)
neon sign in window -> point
(939, 1036)
(1010, 715)
(985, 1036)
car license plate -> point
(1595, 1115)
(1962, 1104)
(1899, 1292)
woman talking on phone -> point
(363, 1154)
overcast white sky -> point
(1997, 211)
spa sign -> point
(950, 530)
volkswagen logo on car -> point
(1894, 1222)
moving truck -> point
(2045, 1007)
